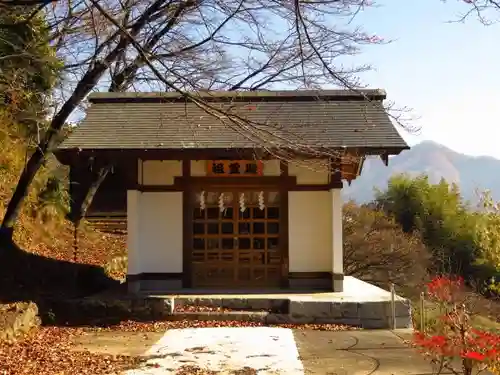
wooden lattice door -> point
(236, 238)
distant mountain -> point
(435, 160)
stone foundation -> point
(367, 314)
(159, 285)
(325, 281)
(364, 314)
(359, 304)
(135, 287)
(338, 283)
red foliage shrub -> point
(455, 338)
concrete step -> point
(261, 317)
(361, 304)
(368, 314)
(275, 305)
(240, 316)
(273, 318)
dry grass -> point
(485, 313)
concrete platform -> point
(361, 304)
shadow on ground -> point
(57, 287)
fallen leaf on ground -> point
(48, 351)
(195, 370)
(197, 308)
(162, 326)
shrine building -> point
(231, 190)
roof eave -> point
(67, 156)
(246, 96)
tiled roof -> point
(330, 119)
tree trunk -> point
(49, 141)
(85, 200)
(89, 80)
(467, 366)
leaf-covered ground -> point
(48, 351)
(162, 326)
(51, 350)
(56, 241)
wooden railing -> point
(108, 222)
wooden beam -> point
(385, 158)
(72, 156)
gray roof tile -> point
(331, 119)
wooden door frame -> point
(235, 183)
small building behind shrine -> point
(231, 190)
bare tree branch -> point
(486, 11)
(191, 45)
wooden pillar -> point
(337, 241)
(187, 226)
(284, 233)
(133, 240)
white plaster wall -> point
(198, 167)
(155, 237)
(310, 171)
(159, 172)
(310, 231)
(271, 167)
(337, 235)
(133, 201)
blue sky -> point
(449, 73)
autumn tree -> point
(29, 68)
(189, 45)
(377, 250)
